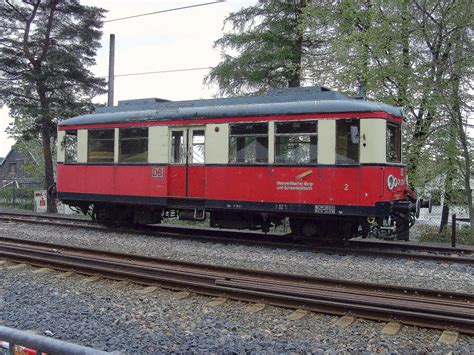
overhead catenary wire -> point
(162, 71)
(163, 11)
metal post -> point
(110, 100)
(453, 231)
(13, 194)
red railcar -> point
(330, 164)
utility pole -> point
(110, 101)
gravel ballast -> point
(424, 274)
(111, 316)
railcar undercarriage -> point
(320, 228)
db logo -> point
(157, 172)
(42, 202)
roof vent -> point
(137, 102)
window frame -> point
(399, 143)
(255, 135)
(12, 173)
(192, 145)
(314, 134)
(358, 143)
(89, 131)
(136, 138)
(64, 143)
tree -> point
(266, 48)
(45, 51)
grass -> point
(431, 234)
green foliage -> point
(45, 51)
(33, 163)
(11, 196)
(265, 49)
(414, 54)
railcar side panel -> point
(176, 180)
(352, 186)
(128, 180)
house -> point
(23, 165)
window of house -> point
(347, 141)
(198, 147)
(100, 145)
(70, 146)
(12, 169)
(296, 142)
(133, 145)
(394, 143)
(248, 143)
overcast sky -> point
(168, 41)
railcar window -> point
(248, 143)
(70, 146)
(100, 145)
(198, 147)
(347, 141)
(296, 142)
(133, 145)
(394, 143)
(178, 149)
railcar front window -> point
(248, 143)
(70, 146)
(100, 146)
(133, 145)
(296, 143)
(347, 141)
(394, 143)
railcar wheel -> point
(114, 215)
(323, 231)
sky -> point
(168, 41)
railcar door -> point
(187, 170)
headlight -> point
(391, 182)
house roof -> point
(302, 100)
(33, 148)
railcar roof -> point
(291, 101)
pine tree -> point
(266, 48)
(45, 50)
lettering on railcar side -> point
(294, 185)
(325, 209)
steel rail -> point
(356, 247)
(429, 308)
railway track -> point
(426, 308)
(358, 247)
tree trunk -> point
(457, 118)
(46, 141)
(48, 164)
(294, 79)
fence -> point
(437, 226)
(11, 195)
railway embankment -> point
(111, 315)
